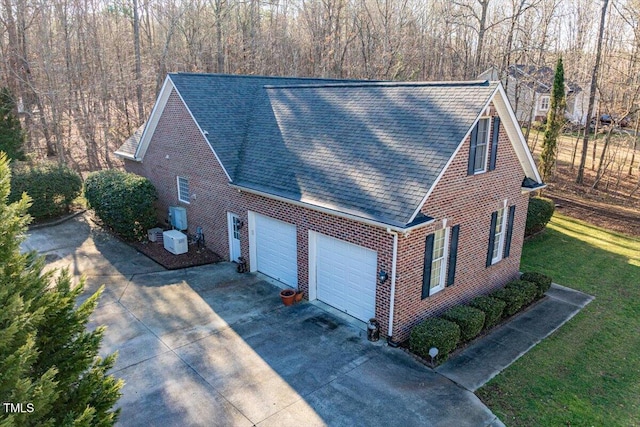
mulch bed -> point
(194, 257)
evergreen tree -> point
(11, 135)
(49, 362)
(555, 121)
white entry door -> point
(346, 276)
(276, 249)
(234, 236)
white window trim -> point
(485, 160)
(443, 266)
(180, 198)
(501, 237)
(545, 100)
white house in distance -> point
(528, 88)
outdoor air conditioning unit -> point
(178, 217)
(175, 242)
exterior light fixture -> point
(383, 276)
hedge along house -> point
(386, 200)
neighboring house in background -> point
(386, 200)
(529, 91)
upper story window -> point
(544, 103)
(183, 190)
(480, 140)
(479, 147)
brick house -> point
(386, 200)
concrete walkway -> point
(492, 354)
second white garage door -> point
(276, 249)
(346, 276)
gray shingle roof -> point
(373, 150)
(129, 147)
(370, 149)
(220, 104)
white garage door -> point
(346, 277)
(277, 250)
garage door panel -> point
(276, 249)
(346, 276)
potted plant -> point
(287, 296)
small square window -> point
(544, 103)
(183, 190)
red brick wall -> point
(467, 201)
(189, 155)
(178, 149)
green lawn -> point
(588, 372)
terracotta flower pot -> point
(287, 296)
(299, 296)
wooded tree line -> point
(85, 73)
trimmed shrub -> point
(434, 332)
(52, 188)
(123, 201)
(492, 308)
(513, 298)
(470, 319)
(539, 214)
(542, 282)
(529, 290)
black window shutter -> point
(507, 241)
(472, 150)
(492, 237)
(494, 142)
(453, 255)
(428, 257)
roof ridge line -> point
(374, 83)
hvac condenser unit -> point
(175, 242)
(178, 217)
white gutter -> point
(392, 300)
(333, 212)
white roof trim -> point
(167, 88)
(513, 132)
(154, 118)
(202, 132)
(125, 155)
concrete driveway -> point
(208, 346)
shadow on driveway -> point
(208, 346)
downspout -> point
(393, 287)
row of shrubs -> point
(52, 188)
(463, 323)
(123, 201)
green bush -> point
(492, 308)
(51, 187)
(527, 289)
(124, 202)
(542, 282)
(513, 298)
(434, 332)
(470, 319)
(538, 215)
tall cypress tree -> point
(11, 135)
(555, 121)
(50, 371)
